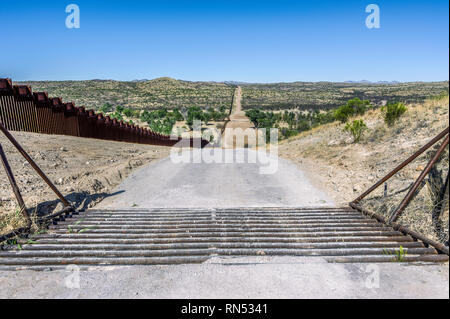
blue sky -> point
(251, 41)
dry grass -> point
(346, 169)
(11, 221)
(418, 214)
(14, 220)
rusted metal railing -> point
(20, 202)
(413, 189)
(24, 110)
(440, 247)
(33, 164)
(403, 164)
(396, 214)
(67, 207)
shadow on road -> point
(80, 200)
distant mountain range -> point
(370, 82)
(247, 83)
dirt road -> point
(238, 131)
(170, 184)
(238, 98)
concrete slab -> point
(255, 277)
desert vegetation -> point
(356, 129)
(291, 123)
(346, 169)
(139, 95)
(170, 93)
(291, 107)
(392, 112)
(163, 120)
(329, 95)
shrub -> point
(262, 119)
(195, 113)
(105, 108)
(356, 128)
(440, 96)
(359, 106)
(324, 118)
(343, 113)
(213, 114)
(128, 112)
(286, 132)
(177, 115)
(162, 120)
(303, 126)
(163, 126)
(116, 115)
(353, 107)
(265, 120)
(392, 112)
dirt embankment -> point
(84, 170)
(346, 169)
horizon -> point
(247, 41)
(238, 82)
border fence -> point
(24, 110)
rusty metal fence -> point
(24, 110)
(427, 219)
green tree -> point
(266, 120)
(353, 107)
(343, 113)
(177, 115)
(194, 113)
(359, 106)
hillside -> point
(346, 169)
(153, 94)
(327, 95)
(171, 93)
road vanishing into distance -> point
(270, 182)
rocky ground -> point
(346, 169)
(84, 170)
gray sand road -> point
(217, 185)
(229, 278)
(238, 105)
(166, 184)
